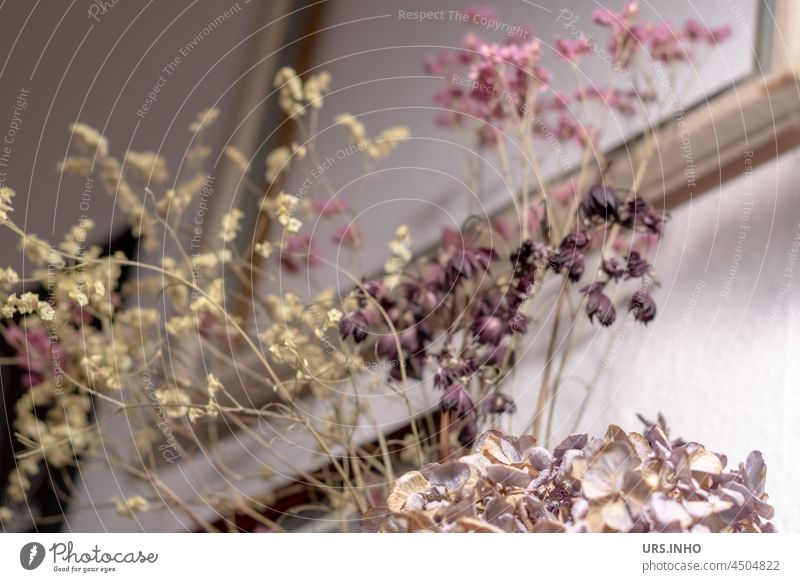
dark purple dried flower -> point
(468, 262)
(523, 257)
(376, 289)
(456, 399)
(490, 329)
(639, 215)
(571, 259)
(577, 240)
(413, 367)
(496, 356)
(576, 266)
(451, 370)
(354, 324)
(422, 294)
(642, 306)
(636, 266)
(432, 274)
(612, 268)
(598, 304)
(518, 323)
(387, 347)
(498, 403)
(601, 201)
(443, 377)
(568, 255)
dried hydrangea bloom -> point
(623, 482)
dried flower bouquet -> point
(93, 349)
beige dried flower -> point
(8, 278)
(290, 91)
(315, 87)
(237, 157)
(147, 166)
(6, 196)
(400, 247)
(277, 162)
(89, 140)
(130, 506)
(204, 119)
(174, 401)
(231, 225)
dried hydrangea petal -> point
(754, 472)
(666, 511)
(616, 516)
(703, 461)
(605, 474)
(407, 485)
(573, 441)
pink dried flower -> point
(298, 251)
(565, 192)
(329, 207)
(349, 235)
(503, 228)
(572, 50)
(700, 33)
(37, 355)
(478, 13)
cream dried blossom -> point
(400, 248)
(333, 317)
(214, 386)
(623, 482)
(236, 156)
(204, 119)
(277, 162)
(299, 151)
(381, 146)
(315, 87)
(19, 480)
(75, 240)
(26, 304)
(290, 91)
(147, 166)
(131, 506)
(40, 252)
(89, 139)
(178, 325)
(6, 196)
(285, 211)
(174, 400)
(387, 141)
(80, 297)
(356, 129)
(263, 249)
(8, 278)
(103, 369)
(231, 225)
